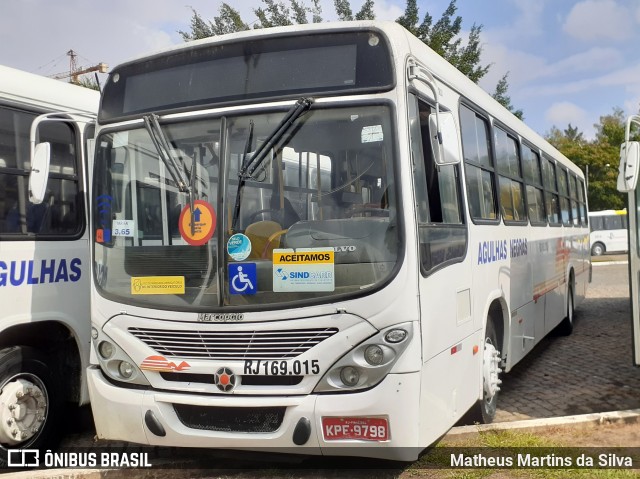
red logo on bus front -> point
(363, 428)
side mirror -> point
(628, 169)
(444, 139)
(39, 173)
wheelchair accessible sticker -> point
(239, 247)
(243, 278)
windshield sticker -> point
(157, 285)
(371, 134)
(103, 232)
(303, 270)
(201, 229)
(239, 247)
(243, 278)
(123, 228)
(120, 138)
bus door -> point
(628, 183)
(445, 282)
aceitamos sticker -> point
(309, 269)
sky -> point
(569, 61)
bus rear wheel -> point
(30, 403)
(597, 249)
(565, 328)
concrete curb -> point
(628, 416)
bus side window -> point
(443, 235)
(60, 213)
(479, 170)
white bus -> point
(286, 258)
(44, 257)
(628, 183)
(608, 231)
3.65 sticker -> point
(282, 368)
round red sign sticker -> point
(204, 223)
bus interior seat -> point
(265, 237)
(288, 215)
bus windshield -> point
(316, 218)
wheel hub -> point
(23, 408)
(491, 371)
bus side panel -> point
(449, 332)
(444, 396)
(47, 281)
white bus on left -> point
(44, 256)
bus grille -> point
(230, 419)
(232, 345)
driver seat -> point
(264, 237)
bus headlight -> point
(106, 349)
(126, 369)
(114, 362)
(349, 376)
(374, 355)
(369, 362)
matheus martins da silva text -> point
(548, 460)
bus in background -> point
(628, 183)
(44, 257)
(321, 238)
(608, 231)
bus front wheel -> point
(30, 403)
(484, 410)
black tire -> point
(28, 364)
(598, 249)
(565, 328)
(484, 411)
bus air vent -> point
(232, 345)
(230, 419)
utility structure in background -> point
(74, 72)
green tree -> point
(598, 159)
(228, 21)
(443, 38)
(573, 134)
(500, 95)
(88, 82)
(610, 130)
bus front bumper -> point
(150, 417)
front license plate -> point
(363, 428)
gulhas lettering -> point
(492, 251)
(26, 272)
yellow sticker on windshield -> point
(157, 285)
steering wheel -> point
(255, 214)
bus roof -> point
(399, 38)
(20, 87)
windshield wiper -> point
(164, 149)
(248, 168)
